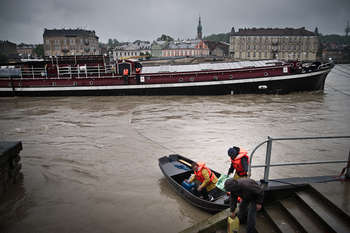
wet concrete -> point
(338, 193)
(90, 164)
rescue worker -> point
(239, 162)
(138, 71)
(125, 75)
(207, 179)
(252, 195)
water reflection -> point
(189, 214)
(13, 206)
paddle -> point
(185, 162)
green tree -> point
(3, 58)
(115, 42)
(39, 50)
(110, 43)
(225, 37)
(164, 37)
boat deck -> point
(209, 66)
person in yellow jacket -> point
(207, 179)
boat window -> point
(91, 83)
(266, 74)
(181, 79)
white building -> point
(129, 50)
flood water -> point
(90, 164)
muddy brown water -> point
(90, 164)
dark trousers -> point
(247, 213)
(214, 193)
(126, 81)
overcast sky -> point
(129, 20)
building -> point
(193, 48)
(157, 47)
(218, 48)
(26, 50)
(271, 43)
(8, 52)
(199, 29)
(7, 47)
(62, 42)
(135, 49)
(178, 48)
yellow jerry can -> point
(232, 225)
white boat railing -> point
(268, 163)
(68, 72)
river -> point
(90, 164)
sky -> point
(23, 21)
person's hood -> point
(231, 185)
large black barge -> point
(95, 76)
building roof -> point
(216, 44)
(273, 32)
(6, 43)
(133, 46)
(69, 32)
(187, 44)
(26, 46)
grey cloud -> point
(24, 21)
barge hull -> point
(265, 85)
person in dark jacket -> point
(239, 162)
(252, 195)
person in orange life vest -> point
(239, 162)
(138, 70)
(125, 75)
(208, 181)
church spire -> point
(199, 29)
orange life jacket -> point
(237, 162)
(199, 175)
(125, 72)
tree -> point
(3, 58)
(39, 50)
(115, 42)
(164, 37)
(225, 37)
(110, 43)
(316, 31)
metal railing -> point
(268, 164)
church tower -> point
(199, 30)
